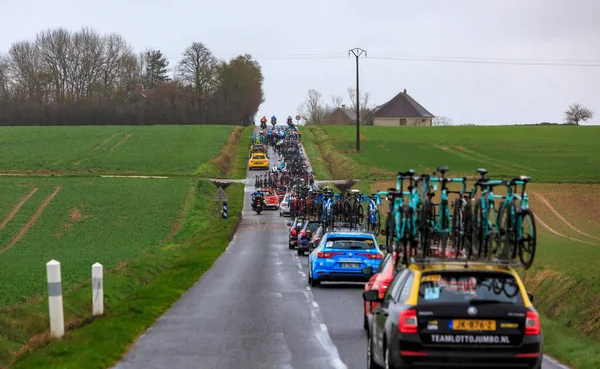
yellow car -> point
(258, 161)
(454, 315)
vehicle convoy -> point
(296, 226)
(342, 255)
(454, 315)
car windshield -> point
(473, 287)
(350, 243)
(259, 157)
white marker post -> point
(55, 302)
(97, 289)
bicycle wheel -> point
(528, 238)
(377, 225)
(444, 226)
(458, 234)
(506, 239)
(424, 228)
(467, 227)
(360, 214)
(479, 238)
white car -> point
(284, 206)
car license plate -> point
(474, 325)
(350, 265)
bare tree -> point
(578, 113)
(5, 85)
(442, 121)
(337, 101)
(367, 112)
(313, 110)
(198, 72)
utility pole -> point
(357, 53)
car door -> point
(381, 314)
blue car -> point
(341, 256)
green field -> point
(135, 149)
(548, 154)
(106, 220)
(154, 236)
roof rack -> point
(463, 262)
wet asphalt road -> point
(254, 309)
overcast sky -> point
(467, 93)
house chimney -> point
(343, 106)
(405, 91)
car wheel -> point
(300, 252)
(371, 364)
(290, 246)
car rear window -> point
(313, 226)
(259, 157)
(469, 287)
(352, 243)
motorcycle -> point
(258, 204)
(263, 125)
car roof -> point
(457, 266)
(350, 234)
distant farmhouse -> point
(402, 110)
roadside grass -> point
(239, 161)
(106, 220)
(172, 149)
(564, 278)
(219, 166)
(340, 165)
(548, 154)
(319, 166)
(137, 292)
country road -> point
(253, 309)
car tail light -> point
(326, 255)
(532, 323)
(304, 234)
(294, 231)
(408, 321)
(373, 256)
(284, 203)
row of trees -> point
(84, 78)
(314, 109)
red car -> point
(271, 198)
(379, 281)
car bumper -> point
(339, 276)
(527, 356)
(293, 242)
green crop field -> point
(106, 220)
(548, 154)
(136, 149)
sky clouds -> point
(468, 93)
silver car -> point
(284, 206)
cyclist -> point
(263, 119)
(273, 120)
(289, 120)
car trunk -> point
(470, 309)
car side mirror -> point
(530, 297)
(371, 296)
(367, 270)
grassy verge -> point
(219, 166)
(317, 162)
(239, 161)
(137, 292)
(340, 165)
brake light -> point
(293, 231)
(326, 255)
(304, 234)
(284, 203)
(532, 323)
(408, 321)
(373, 256)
